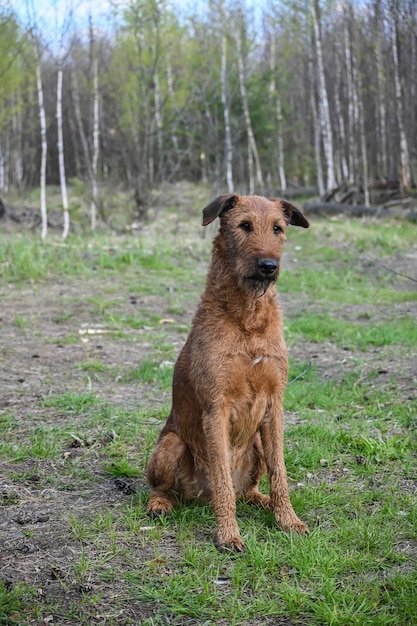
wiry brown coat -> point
(225, 428)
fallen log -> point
(318, 207)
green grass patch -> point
(39, 443)
(11, 603)
(123, 468)
(93, 366)
(151, 320)
(152, 372)
(321, 327)
(71, 402)
(26, 258)
(345, 285)
(352, 239)
(326, 578)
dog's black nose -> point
(267, 266)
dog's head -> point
(251, 236)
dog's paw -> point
(300, 528)
(232, 544)
(295, 524)
(290, 522)
(158, 508)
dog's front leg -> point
(272, 434)
(223, 497)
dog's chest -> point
(262, 364)
(255, 384)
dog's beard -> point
(258, 286)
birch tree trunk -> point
(316, 127)
(61, 160)
(96, 137)
(228, 134)
(363, 144)
(42, 118)
(342, 165)
(413, 86)
(352, 103)
(324, 109)
(404, 153)
(380, 77)
(252, 148)
(278, 108)
(171, 92)
(382, 110)
(158, 123)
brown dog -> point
(225, 428)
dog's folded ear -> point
(292, 214)
(218, 207)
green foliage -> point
(14, 75)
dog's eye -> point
(277, 229)
(246, 226)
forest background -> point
(263, 99)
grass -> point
(320, 327)
(351, 444)
(27, 259)
(153, 372)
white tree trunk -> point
(380, 75)
(363, 148)
(382, 110)
(158, 120)
(228, 134)
(42, 119)
(281, 165)
(280, 120)
(96, 137)
(171, 92)
(316, 127)
(404, 153)
(352, 103)
(252, 148)
(324, 109)
(342, 165)
(61, 160)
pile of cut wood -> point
(386, 197)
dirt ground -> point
(36, 545)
